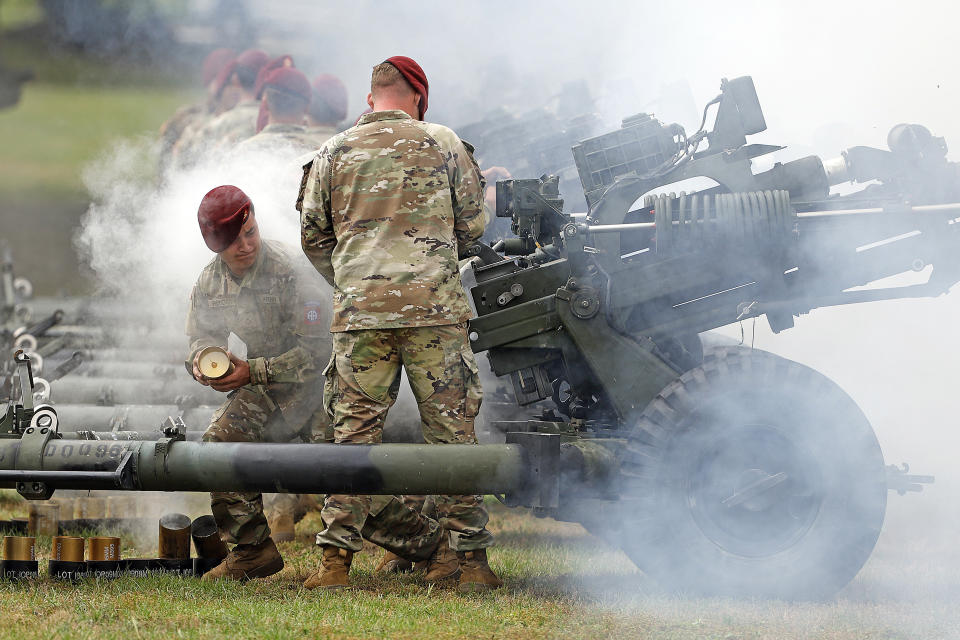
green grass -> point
(560, 583)
(57, 129)
(15, 14)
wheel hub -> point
(753, 491)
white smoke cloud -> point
(829, 75)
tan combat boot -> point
(305, 504)
(392, 563)
(333, 571)
(248, 561)
(444, 563)
(477, 575)
(281, 521)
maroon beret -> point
(221, 215)
(250, 60)
(215, 61)
(329, 90)
(413, 74)
(285, 60)
(287, 80)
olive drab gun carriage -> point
(718, 469)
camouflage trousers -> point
(320, 430)
(362, 383)
(247, 416)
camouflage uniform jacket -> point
(282, 140)
(384, 207)
(281, 317)
(186, 118)
(221, 132)
(324, 131)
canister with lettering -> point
(66, 558)
(103, 559)
(19, 558)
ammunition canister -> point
(67, 548)
(66, 558)
(44, 519)
(174, 539)
(104, 549)
(20, 548)
(89, 508)
(206, 539)
(19, 558)
(214, 362)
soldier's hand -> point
(237, 378)
(199, 377)
(491, 175)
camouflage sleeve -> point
(467, 186)
(199, 327)
(309, 320)
(316, 224)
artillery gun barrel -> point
(381, 469)
(77, 390)
(95, 336)
(125, 369)
(950, 209)
(126, 434)
(136, 417)
(146, 354)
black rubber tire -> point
(711, 434)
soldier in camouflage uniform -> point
(286, 96)
(196, 115)
(385, 206)
(253, 290)
(237, 79)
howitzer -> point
(721, 469)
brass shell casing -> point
(213, 362)
(67, 549)
(174, 540)
(207, 540)
(104, 549)
(22, 548)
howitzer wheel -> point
(752, 475)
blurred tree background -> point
(77, 76)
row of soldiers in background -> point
(253, 103)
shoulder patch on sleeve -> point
(312, 312)
(303, 185)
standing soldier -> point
(286, 96)
(194, 115)
(254, 290)
(385, 206)
(235, 87)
